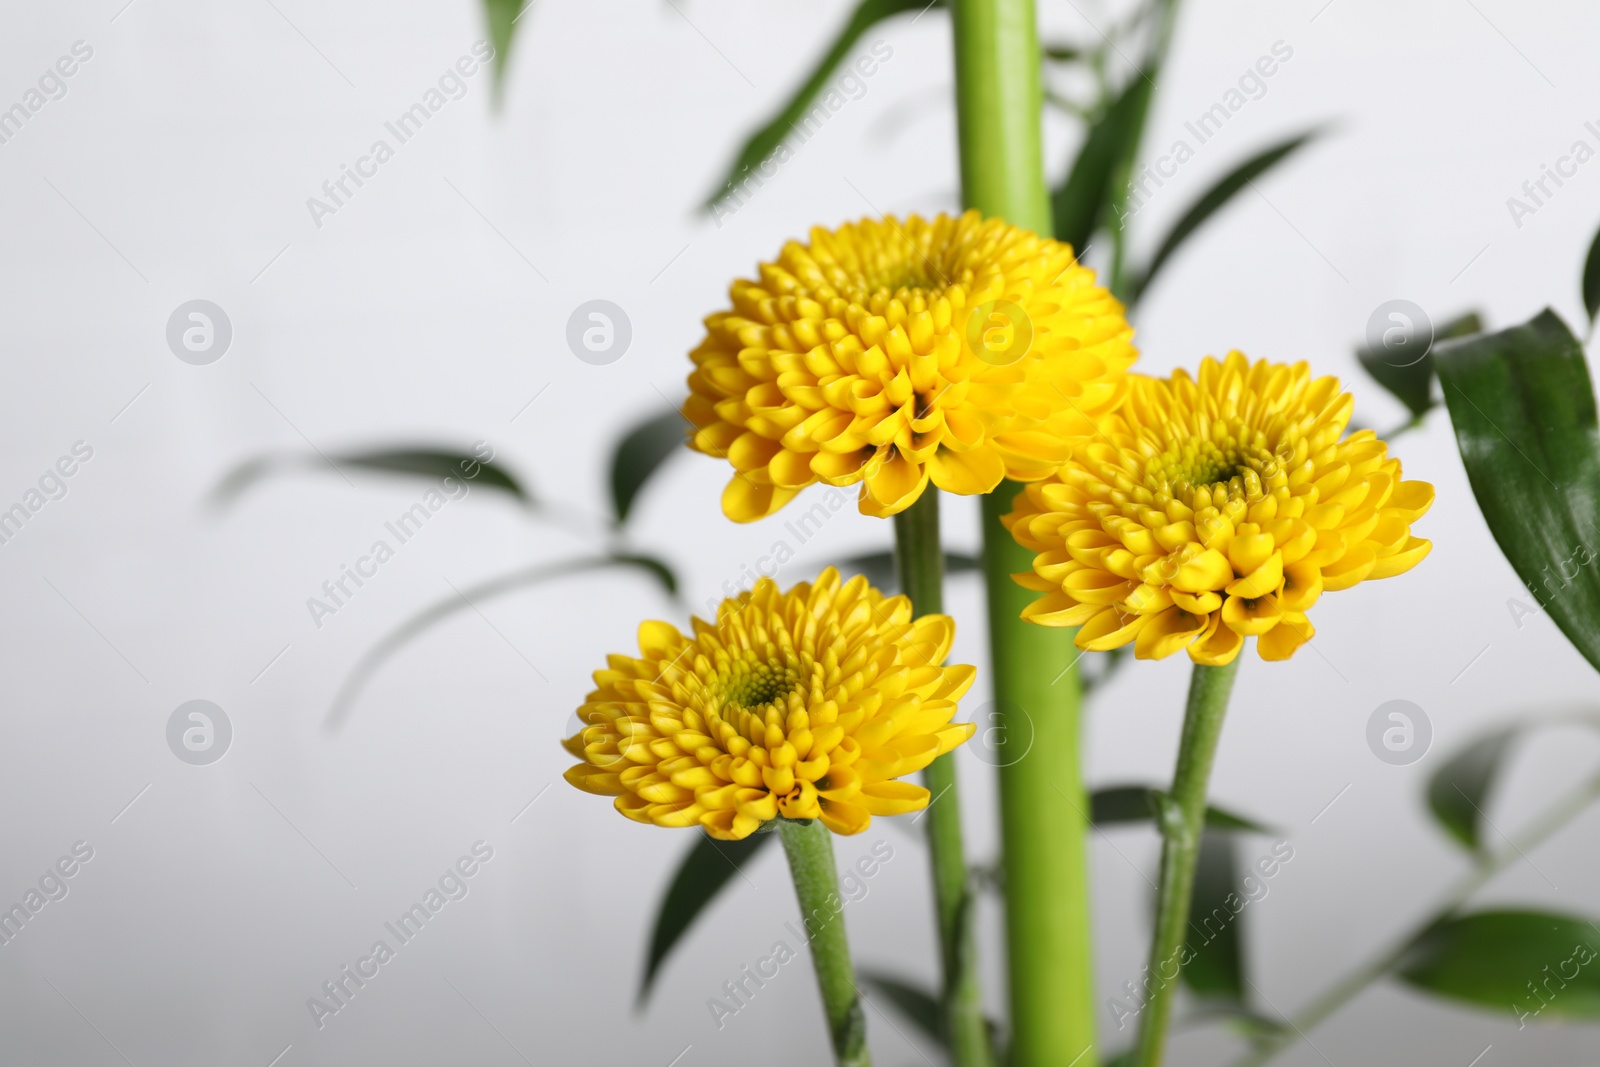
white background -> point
(433, 306)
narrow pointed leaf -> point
(1524, 413)
(918, 1006)
(1411, 382)
(1591, 279)
(1538, 965)
(796, 117)
(1215, 199)
(1080, 204)
(1216, 968)
(1118, 804)
(1459, 791)
(434, 464)
(504, 18)
(640, 454)
(706, 869)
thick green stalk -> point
(810, 849)
(1035, 725)
(1182, 817)
(919, 561)
(1042, 805)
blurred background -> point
(431, 303)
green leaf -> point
(1079, 206)
(434, 464)
(792, 117)
(1591, 279)
(638, 456)
(1537, 964)
(706, 869)
(469, 599)
(919, 1006)
(1458, 791)
(1412, 384)
(1524, 415)
(1214, 199)
(1095, 669)
(1216, 969)
(879, 568)
(1115, 804)
(502, 16)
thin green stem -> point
(1033, 736)
(1183, 817)
(1048, 940)
(919, 561)
(816, 882)
(1551, 820)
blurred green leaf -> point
(1213, 200)
(1081, 203)
(1591, 279)
(919, 1006)
(764, 141)
(1538, 963)
(1412, 383)
(638, 456)
(1458, 791)
(878, 567)
(706, 869)
(1524, 414)
(469, 599)
(1114, 804)
(1062, 53)
(1216, 970)
(503, 16)
(434, 464)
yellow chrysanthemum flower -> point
(1209, 511)
(895, 352)
(808, 704)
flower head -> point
(895, 352)
(1214, 509)
(806, 704)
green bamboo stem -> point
(816, 882)
(1042, 805)
(1182, 818)
(919, 562)
(1043, 820)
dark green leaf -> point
(705, 870)
(1216, 969)
(652, 566)
(878, 567)
(1412, 383)
(640, 454)
(919, 1006)
(1214, 199)
(1080, 205)
(1062, 53)
(1524, 415)
(469, 599)
(1116, 804)
(1458, 791)
(1591, 279)
(796, 116)
(434, 464)
(1537, 964)
(503, 17)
